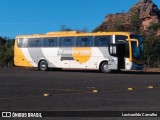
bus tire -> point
(43, 65)
(104, 68)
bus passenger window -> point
(102, 41)
(84, 41)
(22, 42)
(50, 42)
(35, 42)
(66, 42)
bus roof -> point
(71, 33)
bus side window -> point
(84, 41)
(35, 42)
(22, 42)
(50, 42)
(121, 38)
(66, 41)
(102, 41)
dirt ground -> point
(152, 69)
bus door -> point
(121, 55)
(118, 50)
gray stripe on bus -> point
(36, 54)
(104, 51)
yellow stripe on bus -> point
(20, 59)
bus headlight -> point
(112, 60)
(127, 64)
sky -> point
(20, 17)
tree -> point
(6, 52)
(152, 45)
(154, 26)
(2, 41)
(64, 28)
(135, 23)
(119, 27)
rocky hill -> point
(140, 16)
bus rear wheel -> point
(104, 68)
(43, 65)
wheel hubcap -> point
(43, 65)
(106, 67)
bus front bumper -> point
(134, 66)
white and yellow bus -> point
(104, 51)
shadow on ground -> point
(81, 71)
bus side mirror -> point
(113, 49)
(135, 40)
(137, 43)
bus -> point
(103, 51)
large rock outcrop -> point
(144, 13)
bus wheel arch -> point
(103, 67)
(43, 65)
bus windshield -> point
(137, 52)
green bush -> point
(6, 52)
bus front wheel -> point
(104, 68)
(43, 66)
